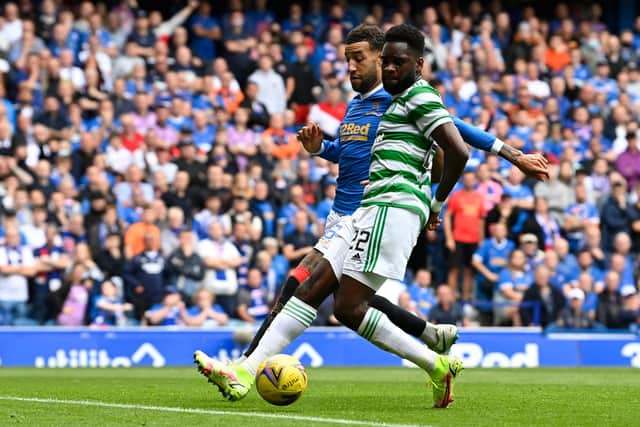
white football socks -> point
(295, 317)
(429, 335)
(378, 329)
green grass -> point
(484, 397)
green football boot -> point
(233, 381)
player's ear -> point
(419, 64)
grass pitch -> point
(336, 396)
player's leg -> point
(299, 274)
(235, 381)
(377, 253)
(439, 338)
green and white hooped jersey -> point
(402, 155)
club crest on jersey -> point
(354, 132)
(374, 110)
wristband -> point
(497, 146)
(436, 205)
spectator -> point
(541, 298)
(205, 312)
(447, 310)
(512, 283)
(109, 308)
(578, 216)
(573, 316)
(189, 163)
(227, 96)
(284, 144)
(221, 258)
(252, 300)
(259, 116)
(302, 87)
(16, 266)
(464, 228)
(135, 236)
(628, 163)
(542, 224)
(144, 276)
(299, 242)
(271, 88)
(490, 190)
(51, 260)
(610, 302)
(206, 31)
(490, 258)
(76, 300)
(111, 258)
(142, 38)
(180, 196)
(614, 215)
(170, 231)
(170, 311)
(185, 267)
(630, 307)
(421, 293)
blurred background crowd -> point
(150, 174)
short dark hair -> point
(367, 33)
(408, 34)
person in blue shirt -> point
(288, 211)
(206, 30)
(512, 282)
(422, 293)
(602, 82)
(205, 312)
(170, 312)
(567, 263)
(323, 208)
(351, 150)
(252, 299)
(586, 265)
(590, 304)
(109, 310)
(578, 216)
(490, 258)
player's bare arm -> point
(456, 155)
(532, 165)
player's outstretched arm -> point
(456, 155)
(532, 165)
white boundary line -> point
(99, 404)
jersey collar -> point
(364, 96)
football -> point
(281, 379)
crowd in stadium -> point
(150, 172)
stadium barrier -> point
(158, 347)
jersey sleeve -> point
(505, 281)
(473, 136)
(480, 253)
(425, 109)
(330, 150)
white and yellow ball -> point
(281, 379)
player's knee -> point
(311, 260)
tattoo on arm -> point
(510, 153)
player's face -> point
(400, 67)
(364, 66)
